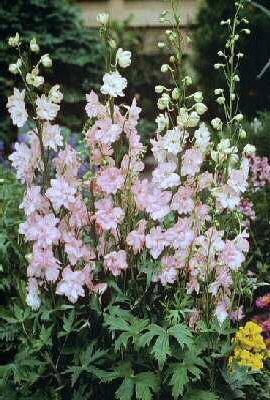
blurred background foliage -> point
(75, 49)
(209, 38)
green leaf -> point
(182, 334)
(147, 384)
(125, 390)
(179, 380)
(197, 394)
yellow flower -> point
(250, 350)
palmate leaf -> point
(179, 380)
(145, 385)
(182, 334)
(161, 348)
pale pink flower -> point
(16, 108)
(41, 229)
(183, 201)
(34, 201)
(241, 241)
(33, 294)
(231, 256)
(71, 284)
(75, 249)
(67, 164)
(221, 311)
(79, 214)
(46, 109)
(136, 238)
(227, 197)
(110, 180)
(223, 280)
(44, 265)
(107, 216)
(116, 262)
(238, 314)
(21, 160)
(205, 180)
(181, 235)
(158, 149)
(155, 241)
(51, 136)
(150, 198)
(105, 132)
(192, 161)
(61, 193)
(168, 275)
(238, 180)
(93, 107)
(131, 165)
(136, 148)
(133, 116)
(165, 177)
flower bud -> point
(162, 122)
(175, 94)
(55, 95)
(14, 41)
(34, 47)
(201, 108)
(172, 59)
(46, 61)
(103, 18)
(123, 58)
(218, 91)
(239, 117)
(198, 97)
(159, 89)
(187, 81)
(112, 44)
(242, 134)
(161, 45)
(217, 124)
(221, 100)
(165, 68)
(249, 150)
(164, 101)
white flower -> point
(34, 47)
(34, 80)
(165, 177)
(175, 94)
(203, 137)
(198, 97)
(193, 119)
(123, 58)
(218, 91)
(46, 61)
(187, 80)
(14, 41)
(239, 117)
(200, 108)
(165, 68)
(173, 140)
(16, 108)
(103, 18)
(55, 95)
(114, 84)
(216, 124)
(221, 100)
(242, 133)
(164, 101)
(159, 89)
(249, 150)
(51, 136)
(15, 68)
(46, 109)
(162, 122)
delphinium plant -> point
(136, 284)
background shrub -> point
(209, 38)
(75, 49)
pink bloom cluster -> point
(260, 171)
(82, 230)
